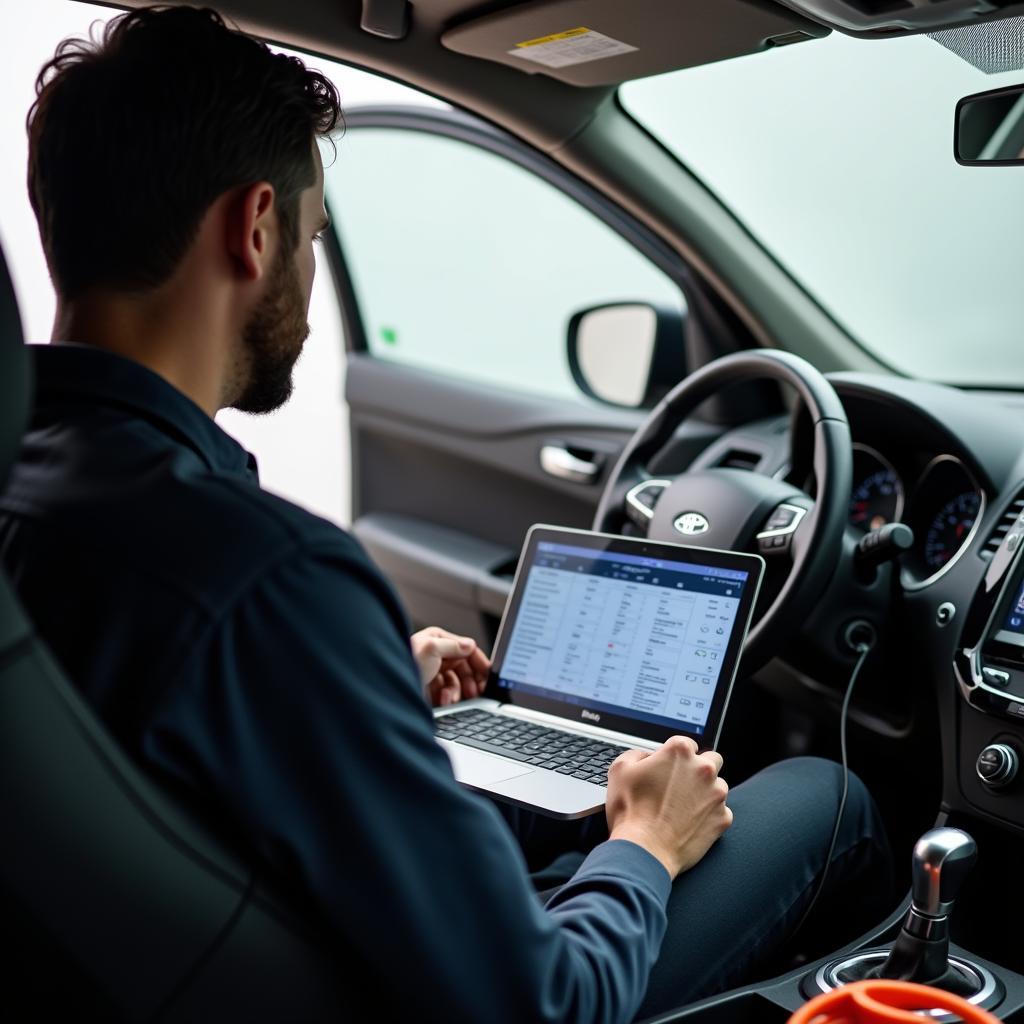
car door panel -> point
(447, 479)
(460, 266)
(442, 502)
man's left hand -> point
(452, 667)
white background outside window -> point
(303, 449)
(465, 263)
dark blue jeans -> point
(737, 906)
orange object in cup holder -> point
(886, 1002)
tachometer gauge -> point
(877, 497)
(950, 528)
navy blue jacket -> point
(251, 653)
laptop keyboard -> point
(564, 752)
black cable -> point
(863, 650)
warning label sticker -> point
(574, 46)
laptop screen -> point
(613, 629)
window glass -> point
(837, 154)
(303, 449)
(466, 263)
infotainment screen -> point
(1014, 620)
(1004, 639)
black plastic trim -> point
(1011, 90)
(344, 289)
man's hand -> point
(671, 802)
(452, 667)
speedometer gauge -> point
(877, 497)
(945, 511)
(950, 528)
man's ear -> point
(251, 229)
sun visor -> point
(605, 42)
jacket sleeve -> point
(300, 711)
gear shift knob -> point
(943, 858)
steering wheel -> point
(738, 509)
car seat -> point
(120, 902)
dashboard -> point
(934, 493)
(945, 462)
(942, 699)
(931, 457)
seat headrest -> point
(15, 380)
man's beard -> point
(272, 339)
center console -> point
(989, 674)
(974, 656)
(912, 945)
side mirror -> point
(627, 353)
(989, 128)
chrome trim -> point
(1007, 772)
(691, 524)
(977, 682)
(907, 581)
(784, 531)
(972, 655)
(558, 462)
(922, 926)
(995, 675)
(901, 501)
(937, 848)
(631, 495)
(825, 979)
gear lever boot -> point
(942, 859)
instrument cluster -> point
(941, 502)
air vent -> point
(737, 458)
(1002, 528)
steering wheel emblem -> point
(692, 523)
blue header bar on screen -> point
(653, 563)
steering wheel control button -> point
(641, 499)
(782, 523)
(997, 765)
(945, 613)
(779, 529)
(781, 518)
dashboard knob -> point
(997, 765)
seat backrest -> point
(118, 901)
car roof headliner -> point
(544, 111)
(538, 108)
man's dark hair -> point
(133, 137)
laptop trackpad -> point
(479, 769)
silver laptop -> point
(607, 643)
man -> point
(250, 654)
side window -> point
(467, 264)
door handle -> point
(560, 462)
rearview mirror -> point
(989, 128)
(626, 353)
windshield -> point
(837, 154)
